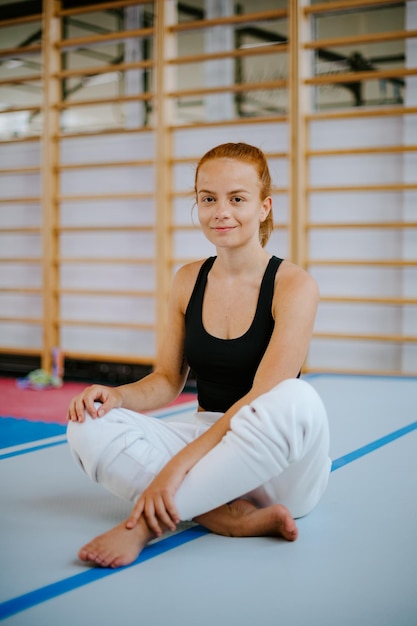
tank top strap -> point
(200, 284)
(204, 269)
(266, 292)
(268, 280)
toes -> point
(290, 535)
(84, 554)
(101, 557)
(92, 555)
(117, 563)
(289, 530)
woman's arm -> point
(158, 388)
(294, 309)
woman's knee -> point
(293, 399)
(299, 393)
(79, 435)
(291, 418)
(89, 439)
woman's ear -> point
(265, 208)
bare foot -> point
(241, 518)
(117, 547)
(120, 546)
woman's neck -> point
(241, 261)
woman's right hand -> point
(110, 398)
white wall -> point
(125, 246)
(336, 244)
(356, 244)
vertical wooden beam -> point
(217, 73)
(298, 107)
(166, 12)
(49, 177)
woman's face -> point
(229, 204)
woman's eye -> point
(237, 200)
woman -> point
(256, 456)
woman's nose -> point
(222, 208)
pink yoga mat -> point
(47, 405)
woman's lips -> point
(223, 229)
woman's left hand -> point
(157, 501)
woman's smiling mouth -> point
(223, 229)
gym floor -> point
(355, 561)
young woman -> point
(256, 456)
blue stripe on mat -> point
(28, 600)
(8, 455)
(92, 574)
(371, 447)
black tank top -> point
(225, 368)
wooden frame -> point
(230, 20)
(16, 200)
(50, 184)
(344, 5)
(163, 126)
(358, 113)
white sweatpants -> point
(276, 451)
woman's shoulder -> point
(185, 279)
(292, 277)
(190, 271)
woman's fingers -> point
(96, 393)
(86, 401)
(135, 515)
(164, 515)
(156, 513)
(170, 509)
(157, 505)
(151, 519)
(76, 411)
